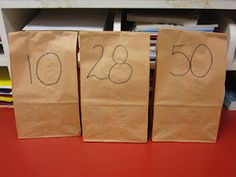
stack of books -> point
(153, 43)
(153, 22)
(5, 87)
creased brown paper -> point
(114, 86)
(45, 86)
(189, 89)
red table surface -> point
(70, 157)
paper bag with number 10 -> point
(114, 86)
(45, 86)
(189, 89)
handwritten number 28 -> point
(191, 59)
(121, 71)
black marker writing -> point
(28, 59)
(100, 57)
(121, 71)
(190, 61)
(45, 57)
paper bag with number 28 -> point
(189, 90)
(45, 86)
(114, 86)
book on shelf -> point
(4, 92)
(152, 55)
(6, 104)
(153, 48)
(153, 17)
(5, 81)
(4, 98)
(5, 86)
(69, 19)
(158, 27)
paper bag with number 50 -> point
(189, 91)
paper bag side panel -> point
(52, 120)
(190, 124)
(120, 123)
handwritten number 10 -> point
(47, 56)
(190, 60)
(28, 59)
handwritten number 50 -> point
(190, 60)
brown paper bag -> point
(45, 86)
(114, 86)
(189, 89)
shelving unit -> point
(12, 20)
(150, 4)
(14, 14)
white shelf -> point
(3, 60)
(176, 4)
